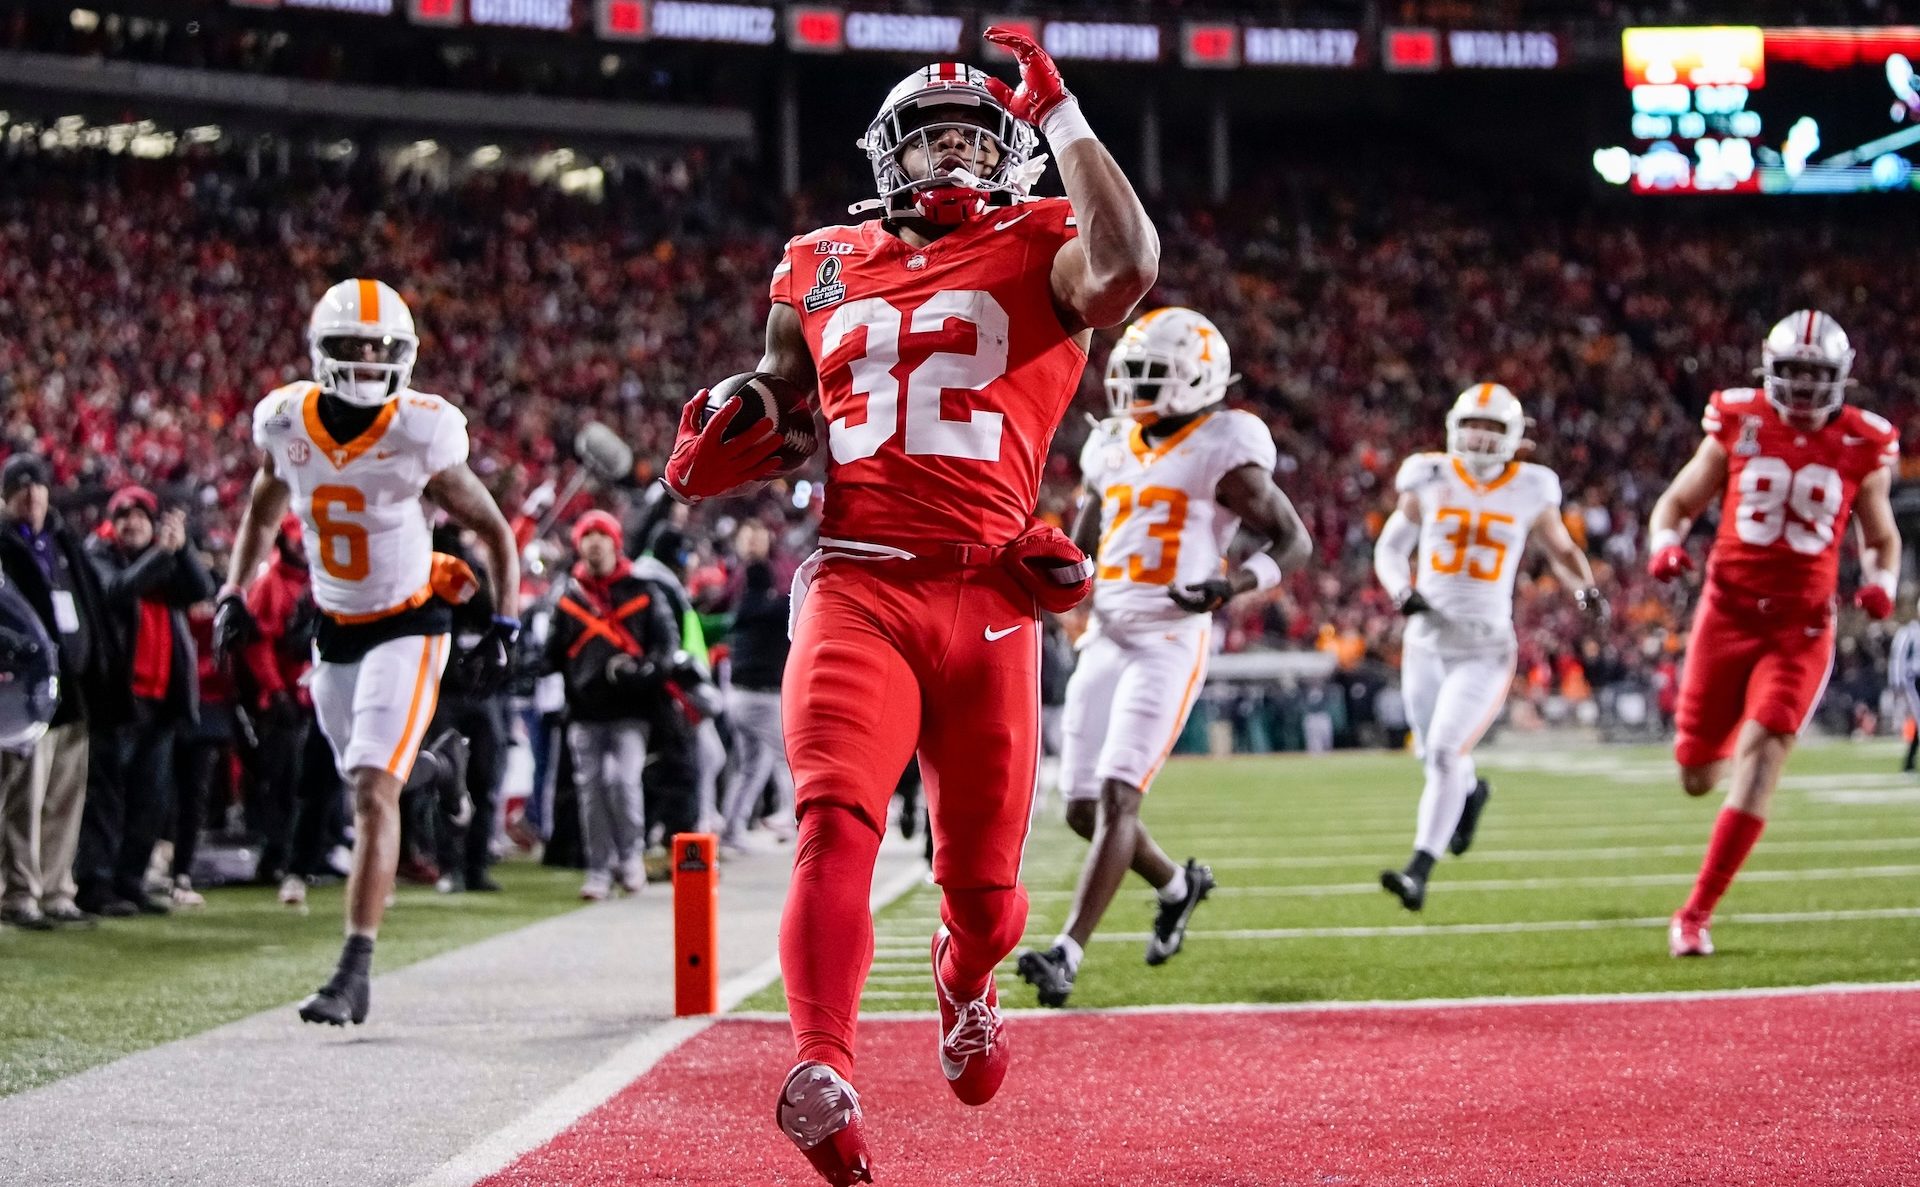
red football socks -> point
(986, 925)
(826, 932)
(1733, 836)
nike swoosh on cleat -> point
(1008, 223)
(994, 636)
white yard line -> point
(1536, 925)
(1613, 853)
(1678, 878)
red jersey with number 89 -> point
(1788, 495)
(943, 372)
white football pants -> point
(1127, 702)
(1452, 700)
(375, 713)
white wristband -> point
(1886, 579)
(1265, 570)
(1665, 538)
(1064, 125)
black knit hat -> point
(21, 471)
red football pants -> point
(1748, 666)
(889, 658)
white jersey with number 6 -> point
(1472, 534)
(368, 545)
(1161, 521)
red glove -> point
(1051, 567)
(1669, 563)
(704, 465)
(1875, 600)
(1040, 87)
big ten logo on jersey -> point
(1473, 542)
(827, 285)
(1778, 502)
(1170, 506)
(876, 416)
(832, 247)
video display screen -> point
(1744, 109)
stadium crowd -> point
(145, 306)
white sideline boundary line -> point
(1389, 1005)
(552, 1116)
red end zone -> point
(1814, 1089)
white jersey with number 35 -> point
(368, 545)
(1161, 520)
(1472, 535)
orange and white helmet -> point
(1480, 444)
(1804, 363)
(911, 118)
(362, 342)
(1170, 362)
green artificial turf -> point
(71, 1000)
(1592, 834)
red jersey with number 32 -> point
(943, 372)
(1789, 493)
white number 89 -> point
(1770, 490)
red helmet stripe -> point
(1812, 319)
(949, 71)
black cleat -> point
(1469, 818)
(1410, 890)
(1049, 973)
(1170, 923)
(343, 999)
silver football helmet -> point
(1804, 364)
(946, 196)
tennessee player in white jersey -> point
(352, 452)
(1470, 512)
(1168, 482)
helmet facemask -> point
(1484, 443)
(974, 149)
(1803, 387)
(362, 369)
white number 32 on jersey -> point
(978, 436)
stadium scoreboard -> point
(1750, 110)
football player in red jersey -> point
(945, 340)
(1790, 461)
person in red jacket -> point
(276, 664)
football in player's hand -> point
(767, 399)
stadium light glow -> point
(83, 20)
